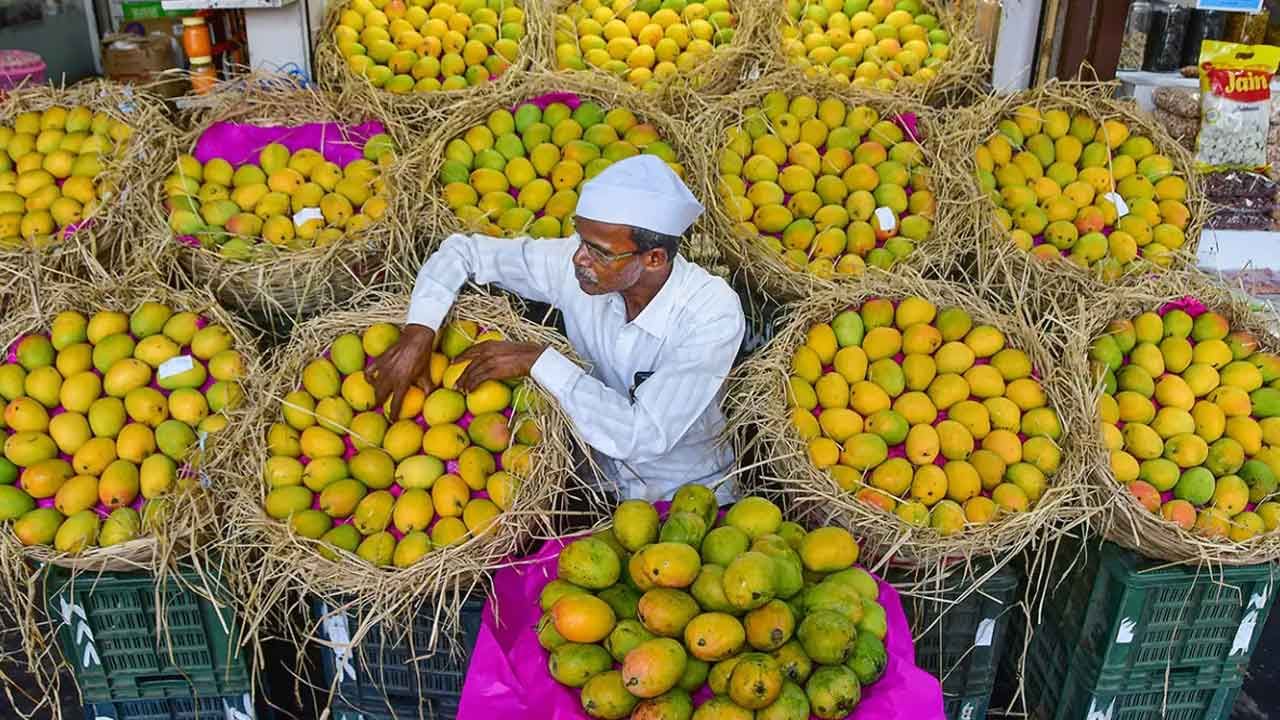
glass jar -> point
(1164, 40)
(1136, 27)
(196, 41)
(1248, 28)
(203, 75)
(1204, 25)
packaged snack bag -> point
(1235, 105)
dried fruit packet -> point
(1235, 105)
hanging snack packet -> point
(1235, 105)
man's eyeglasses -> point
(602, 257)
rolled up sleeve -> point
(534, 269)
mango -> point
(38, 527)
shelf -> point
(1239, 249)
(1142, 78)
(224, 4)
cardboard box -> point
(140, 60)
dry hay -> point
(280, 286)
(176, 535)
(698, 245)
(280, 573)
(1059, 289)
(941, 254)
(1127, 523)
(417, 109)
(961, 78)
(726, 68)
(106, 241)
(760, 420)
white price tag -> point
(986, 633)
(886, 219)
(1122, 208)
(1124, 634)
(335, 626)
(174, 366)
(307, 213)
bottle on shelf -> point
(196, 40)
(203, 74)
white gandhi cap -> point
(641, 191)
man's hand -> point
(497, 360)
(408, 362)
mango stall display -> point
(118, 409)
(1074, 175)
(813, 189)
(424, 48)
(917, 402)
(64, 159)
(773, 620)
(650, 43)
(286, 199)
(914, 47)
(347, 500)
(1189, 420)
(518, 170)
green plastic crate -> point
(107, 628)
(231, 707)
(963, 648)
(1124, 633)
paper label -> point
(73, 615)
(1097, 713)
(886, 219)
(307, 213)
(1122, 208)
(1124, 635)
(245, 710)
(986, 631)
(335, 627)
(174, 366)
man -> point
(659, 332)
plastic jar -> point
(1204, 25)
(1164, 40)
(1134, 44)
(196, 41)
(203, 74)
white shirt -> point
(687, 337)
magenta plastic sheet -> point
(508, 675)
(239, 143)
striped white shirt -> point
(655, 434)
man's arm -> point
(666, 405)
(534, 269)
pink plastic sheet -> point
(238, 143)
(508, 675)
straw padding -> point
(281, 286)
(646, 108)
(721, 72)
(961, 77)
(280, 572)
(106, 241)
(940, 254)
(1128, 523)
(191, 514)
(418, 109)
(760, 418)
(1057, 286)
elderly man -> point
(659, 332)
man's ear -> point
(656, 258)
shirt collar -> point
(655, 318)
